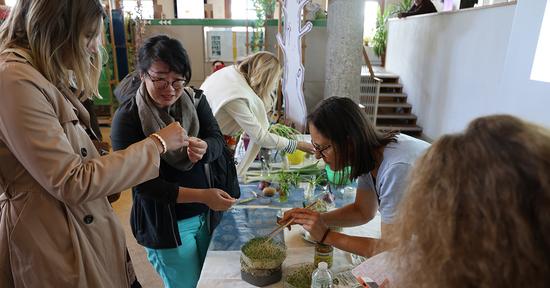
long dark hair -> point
(352, 135)
(167, 50)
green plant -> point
(260, 249)
(380, 38)
(300, 277)
(283, 131)
(317, 180)
(402, 6)
(260, 253)
(264, 8)
(287, 180)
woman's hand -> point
(217, 199)
(310, 220)
(306, 147)
(196, 149)
(174, 135)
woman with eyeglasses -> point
(241, 96)
(170, 213)
(343, 136)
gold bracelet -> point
(162, 142)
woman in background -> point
(240, 96)
(57, 228)
(477, 211)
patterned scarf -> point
(153, 119)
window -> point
(369, 24)
(541, 69)
(243, 9)
(190, 9)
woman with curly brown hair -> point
(477, 213)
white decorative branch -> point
(293, 71)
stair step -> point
(387, 95)
(378, 72)
(382, 85)
(391, 105)
(393, 95)
(403, 127)
(407, 116)
(391, 85)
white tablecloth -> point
(222, 268)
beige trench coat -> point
(56, 227)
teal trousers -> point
(181, 267)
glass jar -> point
(323, 253)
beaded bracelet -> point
(162, 142)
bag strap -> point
(197, 95)
(196, 99)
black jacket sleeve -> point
(209, 131)
(126, 130)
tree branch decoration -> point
(293, 70)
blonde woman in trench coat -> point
(57, 228)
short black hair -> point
(353, 137)
(165, 49)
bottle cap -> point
(323, 265)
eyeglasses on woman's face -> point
(320, 149)
(161, 83)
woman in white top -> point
(240, 96)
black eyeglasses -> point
(319, 149)
(162, 84)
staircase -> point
(394, 113)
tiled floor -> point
(144, 271)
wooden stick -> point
(279, 228)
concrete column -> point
(344, 48)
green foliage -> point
(283, 131)
(264, 8)
(380, 38)
(320, 179)
(301, 276)
(403, 6)
(288, 180)
(259, 249)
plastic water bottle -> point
(321, 277)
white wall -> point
(522, 96)
(455, 66)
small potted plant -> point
(261, 261)
(299, 276)
(287, 180)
